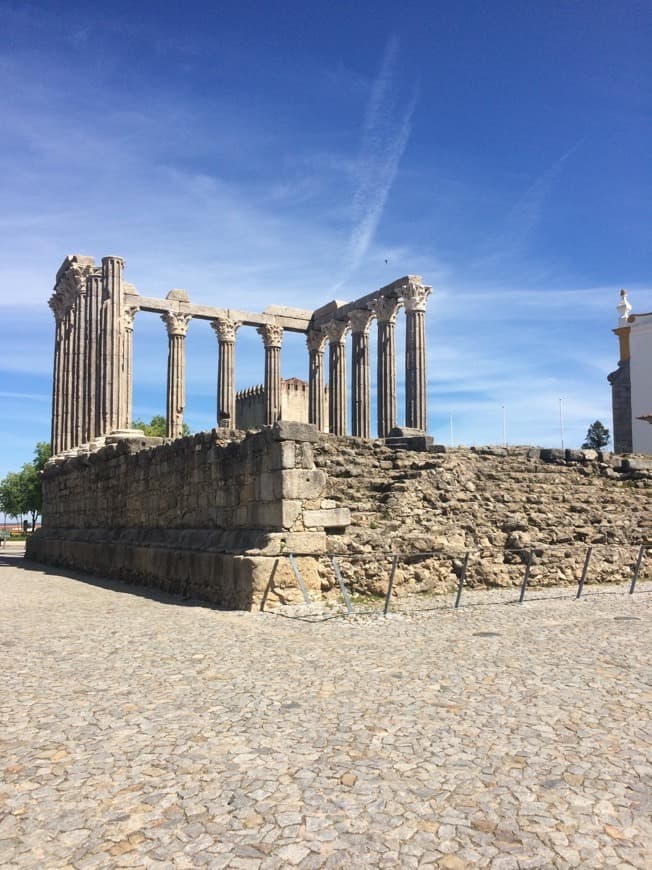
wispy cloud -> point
(385, 133)
(524, 215)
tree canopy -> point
(157, 427)
(597, 436)
(20, 491)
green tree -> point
(157, 427)
(597, 436)
(20, 491)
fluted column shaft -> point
(416, 380)
(386, 310)
(316, 340)
(225, 331)
(177, 327)
(79, 369)
(360, 378)
(57, 386)
(93, 292)
(336, 331)
(113, 413)
(272, 336)
(128, 316)
(66, 404)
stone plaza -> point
(141, 730)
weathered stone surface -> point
(330, 518)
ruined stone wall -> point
(199, 515)
(215, 519)
(494, 503)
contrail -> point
(385, 133)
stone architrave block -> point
(289, 430)
(326, 519)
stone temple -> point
(95, 311)
(217, 515)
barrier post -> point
(297, 574)
(462, 578)
(587, 559)
(637, 569)
(345, 594)
(391, 585)
(526, 577)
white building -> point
(631, 383)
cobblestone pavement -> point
(144, 732)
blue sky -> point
(258, 153)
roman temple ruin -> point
(251, 517)
(95, 313)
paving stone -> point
(139, 731)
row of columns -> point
(91, 387)
(385, 309)
(92, 383)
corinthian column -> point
(336, 331)
(225, 330)
(56, 441)
(91, 391)
(415, 297)
(316, 341)
(272, 335)
(360, 403)
(177, 326)
(68, 369)
(386, 310)
(113, 389)
(79, 368)
(128, 316)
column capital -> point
(272, 334)
(360, 320)
(415, 296)
(128, 314)
(316, 340)
(225, 329)
(386, 309)
(177, 324)
(336, 331)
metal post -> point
(526, 577)
(584, 571)
(345, 594)
(391, 585)
(462, 578)
(639, 562)
(297, 574)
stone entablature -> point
(95, 312)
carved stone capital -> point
(177, 324)
(360, 321)
(58, 306)
(415, 296)
(336, 331)
(272, 334)
(71, 284)
(386, 309)
(316, 340)
(225, 329)
(128, 315)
